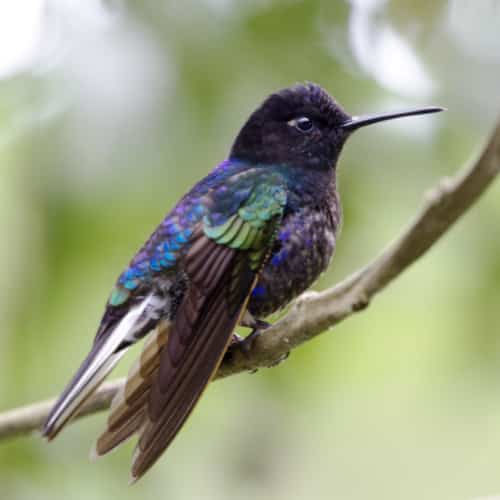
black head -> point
(301, 126)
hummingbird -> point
(246, 240)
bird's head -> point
(302, 126)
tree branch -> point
(315, 312)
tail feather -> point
(129, 406)
(109, 440)
(104, 355)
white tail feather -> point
(100, 362)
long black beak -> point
(360, 121)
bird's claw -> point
(245, 344)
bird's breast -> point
(303, 249)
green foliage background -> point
(134, 103)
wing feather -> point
(201, 332)
(221, 268)
(128, 408)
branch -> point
(315, 312)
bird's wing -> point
(133, 309)
(222, 266)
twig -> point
(26, 419)
(315, 312)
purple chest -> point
(304, 248)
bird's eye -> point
(303, 124)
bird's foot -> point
(245, 344)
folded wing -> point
(221, 267)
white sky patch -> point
(398, 67)
(384, 54)
(20, 30)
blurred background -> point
(111, 110)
